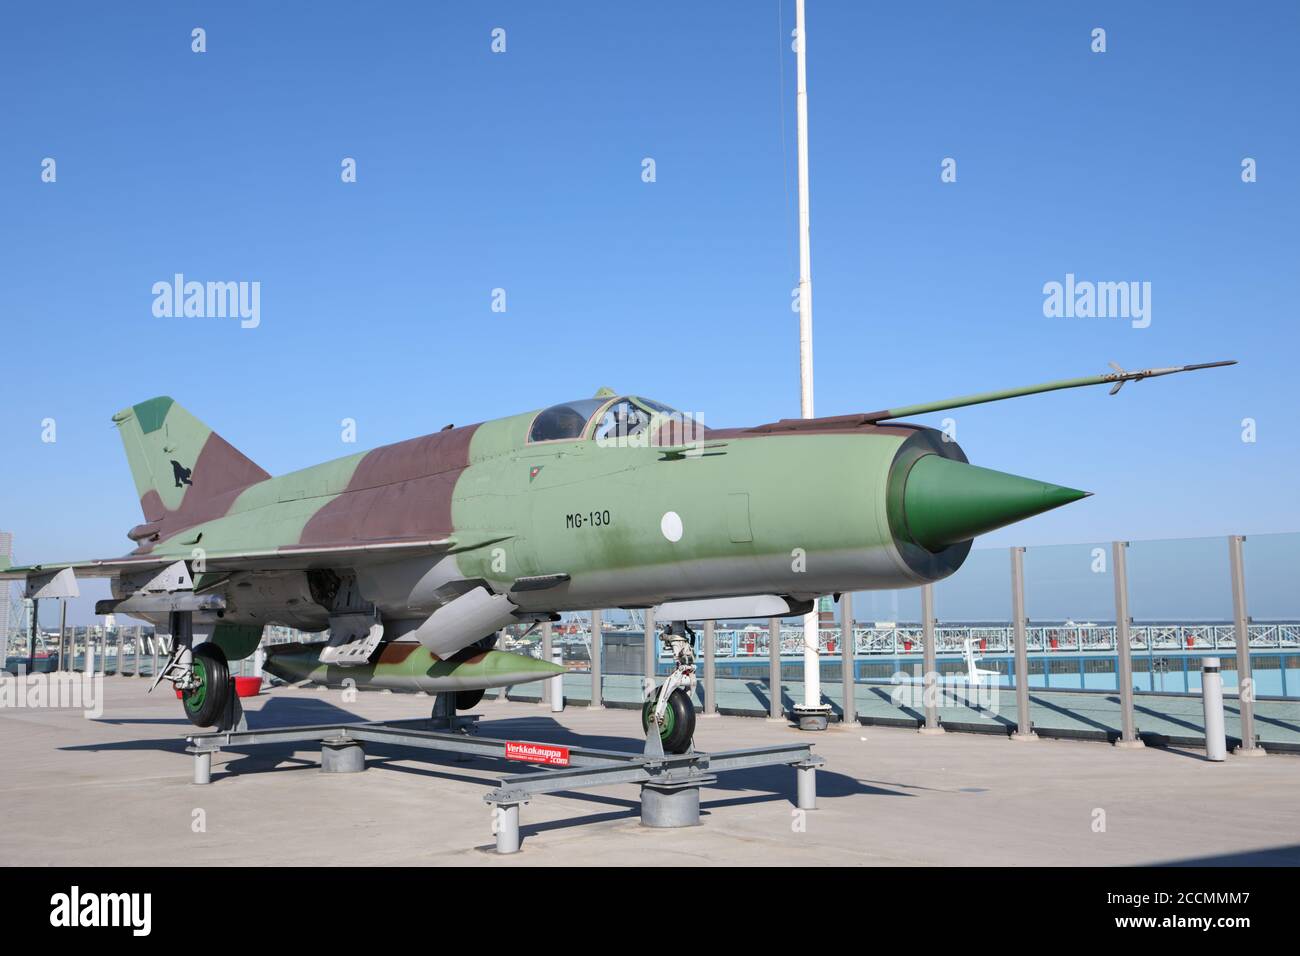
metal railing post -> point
(1025, 727)
(1128, 738)
(63, 629)
(597, 651)
(775, 710)
(650, 651)
(545, 699)
(848, 677)
(710, 671)
(929, 675)
(1241, 630)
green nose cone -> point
(946, 501)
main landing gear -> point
(202, 675)
(669, 708)
(210, 688)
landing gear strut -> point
(202, 675)
(179, 668)
(669, 709)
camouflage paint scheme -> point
(547, 523)
(405, 665)
(743, 525)
(416, 524)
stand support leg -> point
(342, 755)
(805, 786)
(506, 823)
(203, 766)
(669, 804)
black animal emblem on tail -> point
(181, 473)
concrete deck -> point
(1093, 715)
(117, 790)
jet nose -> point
(946, 501)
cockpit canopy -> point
(568, 420)
(612, 418)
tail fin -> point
(176, 460)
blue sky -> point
(522, 171)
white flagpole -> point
(812, 692)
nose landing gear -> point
(669, 708)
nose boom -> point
(946, 501)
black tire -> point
(466, 699)
(679, 721)
(204, 704)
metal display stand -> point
(670, 783)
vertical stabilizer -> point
(177, 461)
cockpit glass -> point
(673, 427)
(568, 420)
(623, 419)
(659, 407)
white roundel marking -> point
(671, 525)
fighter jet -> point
(415, 555)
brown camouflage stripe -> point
(395, 652)
(218, 476)
(397, 491)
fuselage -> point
(625, 520)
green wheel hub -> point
(670, 722)
(670, 717)
(679, 721)
(195, 696)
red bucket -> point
(907, 645)
(248, 686)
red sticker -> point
(548, 754)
